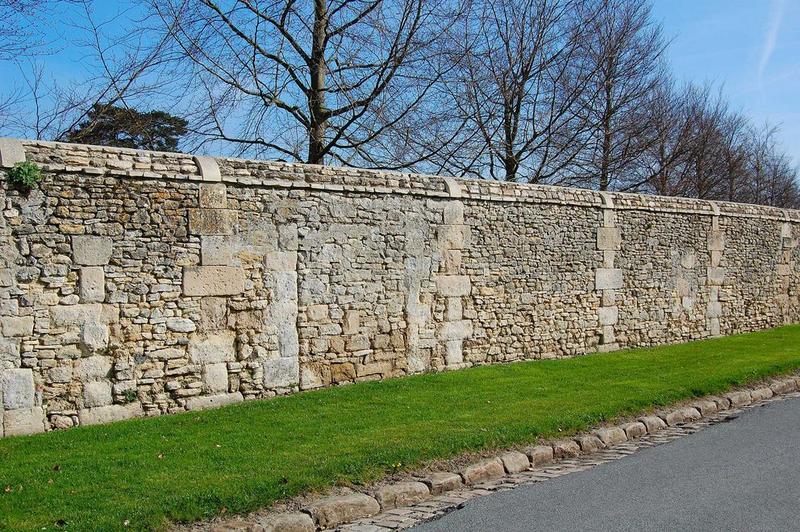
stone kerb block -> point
(17, 388)
(91, 250)
(11, 152)
(212, 281)
(608, 279)
(609, 239)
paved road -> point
(743, 474)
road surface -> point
(743, 474)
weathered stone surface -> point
(608, 238)
(611, 435)
(690, 414)
(9, 353)
(784, 386)
(212, 281)
(77, 315)
(675, 417)
(205, 222)
(333, 511)
(92, 368)
(181, 325)
(213, 196)
(634, 430)
(565, 449)
(540, 454)
(281, 372)
(608, 315)
(108, 414)
(401, 494)
(440, 482)
(455, 330)
(483, 471)
(215, 377)
(212, 348)
(608, 279)
(653, 423)
(94, 337)
(217, 251)
(514, 462)
(93, 284)
(716, 276)
(281, 261)
(213, 401)
(17, 388)
(96, 393)
(705, 407)
(739, 398)
(91, 250)
(453, 285)
(589, 443)
(16, 326)
(23, 421)
(11, 152)
(760, 394)
(289, 522)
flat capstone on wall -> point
(138, 283)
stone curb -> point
(328, 513)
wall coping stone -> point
(58, 157)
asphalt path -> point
(742, 474)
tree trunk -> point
(316, 98)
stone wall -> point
(140, 283)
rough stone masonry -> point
(139, 283)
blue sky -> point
(750, 47)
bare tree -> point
(625, 46)
(301, 80)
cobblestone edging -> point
(428, 496)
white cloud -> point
(771, 36)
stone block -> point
(453, 213)
(204, 402)
(690, 414)
(94, 337)
(281, 372)
(739, 398)
(609, 238)
(441, 482)
(682, 287)
(689, 260)
(288, 522)
(761, 394)
(110, 413)
(212, 348)
(565, 449)
(637, 429)
(716, 241)
(208, 168)
(515, 461)
(714, 309)
(91, 250)
(215, 377)
(9, 353)
(455, 330)
(216, 251)
(23, 421)
(11, 152)
(16, 326)
(401, 494)
(608, 279)
(281, 261)
(317, 312)
(784, 386)
(92, 368)
(540, 454)
(653, 423)
(716, 276)
(453, 285)
(212, 281)
(589, 443)
(93, 284)
(452, 236)
(784, 269)
(206, 222)
(78, 315)
(181, 325)
(96, 393)
(482, 471)
(675, 417)
(333, 511)
(351, 322)
(17, 388)
(608, 315)
(213, 196)
(611, 435)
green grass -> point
(192, 466)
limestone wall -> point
(138, 283)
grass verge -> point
(141, 474)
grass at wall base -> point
(143, 474)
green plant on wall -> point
(25, 175)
